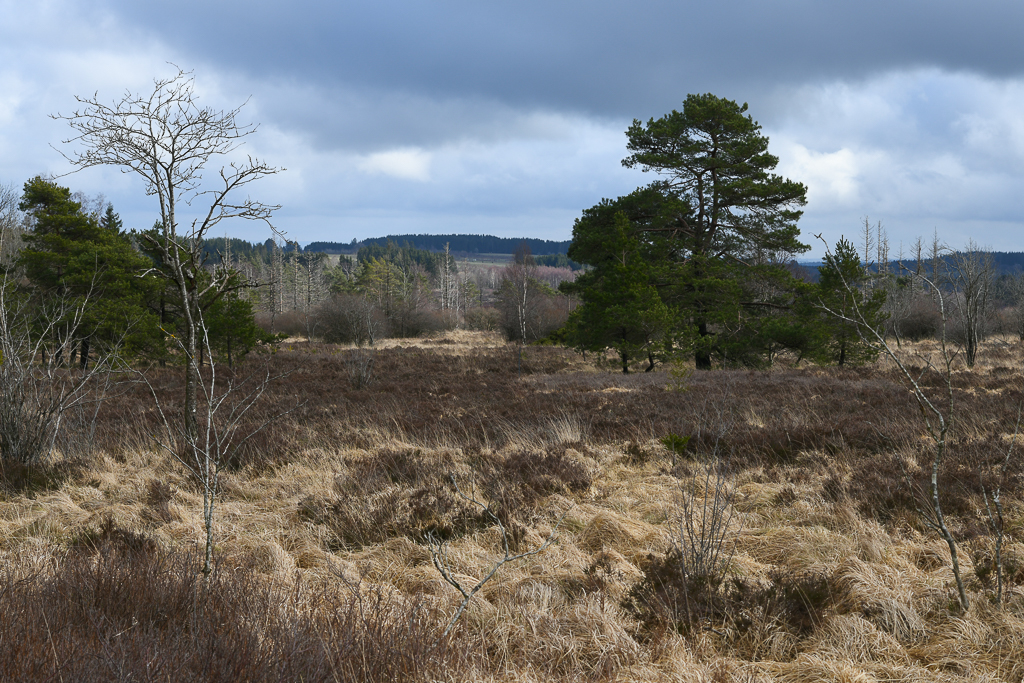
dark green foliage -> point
(469, 244)
(111, 221)
(232, 329)
(229, 319)
(845, 290)
(675, 444)
(701, 253)
(621, 307)
(404, 257)
(70, 254)
(557, 261)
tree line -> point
(701, 262)
(64, 244)
(458, 244)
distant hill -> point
(1006, 263)
(458, 244)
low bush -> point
(114, 611)
(393, 493)
(667, 599)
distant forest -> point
(1005, 262)
(261, 252)
(458, 244)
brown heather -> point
(322, 573)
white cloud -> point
(832, 178)
(405, 164)
(919, 149)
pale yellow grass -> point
(890, 618)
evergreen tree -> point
(621, 306)
(715, 230)
(843, 290)
(70, 254)
(230, 319)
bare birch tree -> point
(167, 139)
(208, 444)
(971, 272)
(937, 412)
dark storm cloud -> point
(604, 58)
(509, 117)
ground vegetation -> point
(738, 525)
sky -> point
(452, 116)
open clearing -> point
(322, 572)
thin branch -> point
(439, 555)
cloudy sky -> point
(456, 116)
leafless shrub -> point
(483, 319)
(995, 517)
(360, 367)
(350, 319)
(439, 555)
(118, 610)
(921, 320)
(706, 515)
(684, 589)
(972, 274)
(290, 323)
(36, 398)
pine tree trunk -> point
(702, 358)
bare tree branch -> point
(167, 139)
(439, 555)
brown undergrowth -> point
(323, 574)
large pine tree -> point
(71, 254)
(715, 230)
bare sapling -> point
(167, 139)
(442, 562)
(992, 495)
(972, 275)
(206, 446)
(37, 388)
(938, 413)
(706, 517)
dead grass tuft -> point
(322, 574)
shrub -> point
(392, 493)
(922, 320)
(515, 484)
(349, 319)
(483, 319)
(685, 589)
(288, 323)
(113, 612)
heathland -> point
(323, 570)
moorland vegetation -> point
(323, 570)
(268, 464)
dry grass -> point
(322, 573)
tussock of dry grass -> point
(334, 502)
